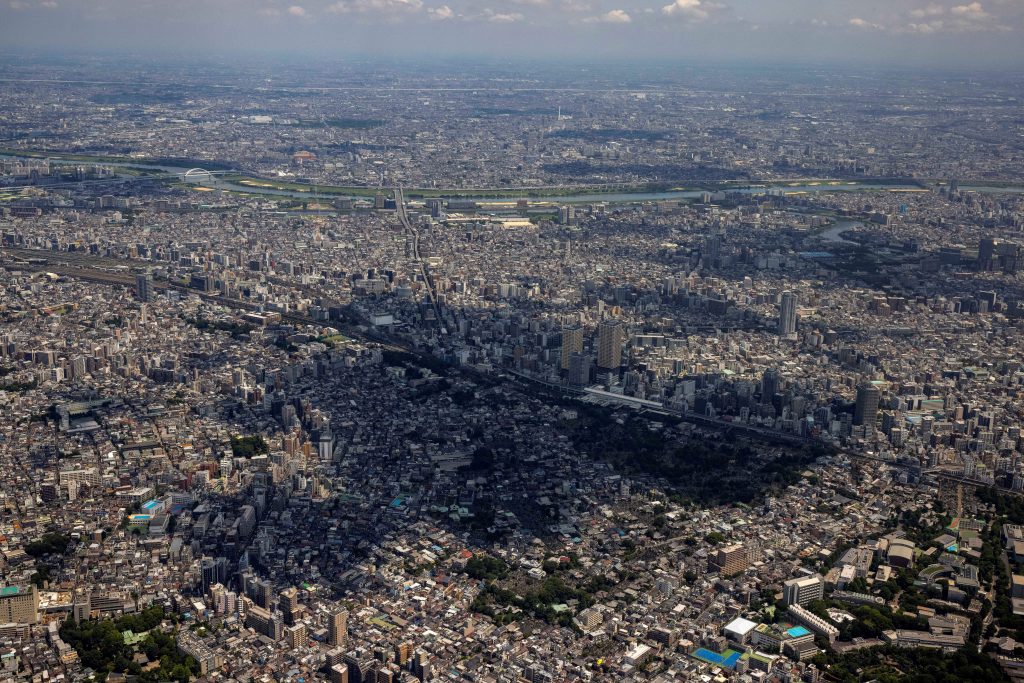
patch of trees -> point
(234, 328)
(486, 567)
(248, 446)
(538, 603)
(910, 665)
(703, 471)
(1010, 507)
(100, 645)
(411, 360)
(52, 543)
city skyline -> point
(912, 33)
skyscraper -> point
(609, 345)
(337, 629)
(144, 286)
(787, 315)
(572, 342)
(986, 253)
(770, 385)
(865, 411)
(579, 369)
(713, 248)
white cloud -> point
(381, 6)
(864, 23)
(441, 13)
(972, 11)
(929, 11)
(297, 11)
(576, 5)
(926, 28)
(693, 10)
(503, 17)
(615, 16)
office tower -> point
(337, 629)
(579, 369)
(865, 411)
(787, 315)
(803, 590)
(713, 249)
(378, 201)
(262, 592)
(1010, 257)
(567, 215)
(986, 253)
(208, 567)
(572, 342)
(770, 383)
(144, 286)
(609, 345)
(19, 605)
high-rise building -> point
(337, 629)
(731, 559)
(296, 635)
(19, 605)
(421, 665)
(986, 253)
(403, 652)
(770, 383)
(609, 344)
(579, 369)
(713, 248)
(865, 412)
(263, 621)
(289, 603)
(572, 342)
(787, 315)
(339, 673)
(803, 590)
(144, 286)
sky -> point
(968, 34)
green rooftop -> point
(8, 591)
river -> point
(595, 198)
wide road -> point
(412, 233)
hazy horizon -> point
(903, 33)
